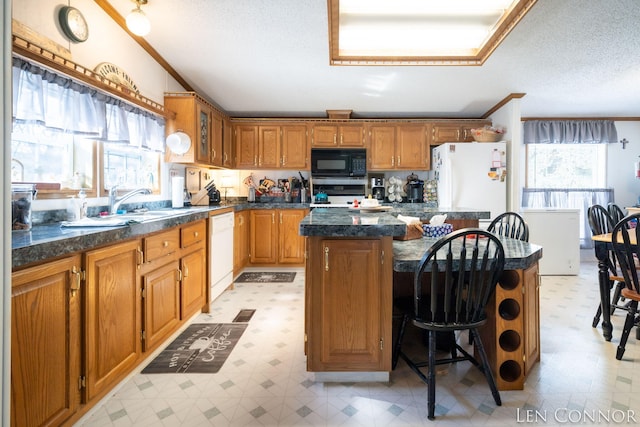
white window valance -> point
(569, 132)
(44, 99)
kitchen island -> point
(351, 260)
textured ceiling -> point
(572, 58)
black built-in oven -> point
(338, 162)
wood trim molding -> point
(502, 104)
(51, 60)
(119, 19)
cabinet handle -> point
(186, 272)
(195, 234)
(273, 218)
(255, 160)
(326, 258)
(260, 161)
(140, 256)
(393, 159)
(284, 162)
(341, 139)
(334, 139)
(213, 154)
(179, 275)
(165, 244)
(458, 134)
(280, 217)
(75, 284)
(398, 161)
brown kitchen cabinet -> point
(398, 147)
(271, 147)
(46, 343)
(193, 268)
(531, 297)
(160, 304)
(216, 140)
(454, 132)
(246, 146)
(240, 241)
(346, 135)
(227, 145)
(274, 238)
(348, 304)
(194, 116)
(112, 315)
(295, 147)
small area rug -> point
(265, 277)
(202, 348)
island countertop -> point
(346, 222)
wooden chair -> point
(452, 285)
(601, 222)
(627, 252)
(510, 224)
(615, 212)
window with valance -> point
(567, 166)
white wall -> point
(621, 164)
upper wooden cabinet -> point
(398, 147)
(345, 135)
(454, 132)
(227, 146)
(204, 125)
(271, 147)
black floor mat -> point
(265, 277)
(244, 315)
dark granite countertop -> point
(518, 255)
(344, 222)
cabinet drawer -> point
(161, 244)
(193, 233)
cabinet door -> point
(382, 142)
(217, 153)
(269, 146)
(246, 146)
(263, 237)
(161, 304)
(291, 245)
(443, 133)
(194, 279)
(240, 241)
(349, 302)
(45, 343)
(227, 144)
(203, 149)
(412, 151)
(324, 136)
(112, 315)
(295, 150)
(352, 136)
(531, 298)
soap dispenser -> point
(82, 204)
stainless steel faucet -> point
(115, 202)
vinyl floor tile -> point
(264, 381)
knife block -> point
(201, 198)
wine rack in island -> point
(511, 335)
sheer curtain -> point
(44, 99)
(569, 132)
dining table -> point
(602, 245)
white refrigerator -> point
(471, 175)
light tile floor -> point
(264, 381)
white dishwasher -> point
(220, 253)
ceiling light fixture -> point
(137, 21)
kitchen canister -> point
(21, 198)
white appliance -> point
(471, 175)
(220, 253)
(558, 232)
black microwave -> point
(339, 162)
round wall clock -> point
(73, 24)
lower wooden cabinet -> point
(45, 343)
(112, 315)
(348, 304)
(274, 237)
(161, 304)
(193, 274)
(240, 241)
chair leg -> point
(628, 325)
(398, 345)
(596, 318)
(431, 377)
(616, 296)
(486, 368)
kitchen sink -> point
(123, 219)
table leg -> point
(603, 281)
